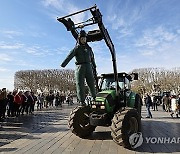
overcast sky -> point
(146, 33)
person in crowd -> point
(3, 103)
(47, 100)
(174, 105)
(166, 102)
(148, 103)
(43, 100)
(152, 106)
(27, 108)
(61, 99)
(10, 100)
(155, 101)
(40, 101)
(58, 101)
(24, 102)
(51, 99)
(178, 103)
(69, 99)
(30, 102)
(4, 93)
(17, 102)
(33, 100)
(1, 120)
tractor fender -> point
(131, 99)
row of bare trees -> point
(164, 79)
(55, 79)
(45, 80)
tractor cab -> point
(107, 81)
(107, 91)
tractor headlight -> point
(97, 103)
(93, 106)
(102, 103)
(93, 102)
(102, 107)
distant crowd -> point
(170, 103)
(18, 103)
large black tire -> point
(124, 124)
(79, 121)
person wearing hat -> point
(84, 62)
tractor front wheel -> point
(79, 122)
(124, 124)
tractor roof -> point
(122, 74)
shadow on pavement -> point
(106, 135)
(7, 149)
(25, 126)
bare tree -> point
(168, 80)
(53, 79)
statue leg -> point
(90, 81)
(80, 88)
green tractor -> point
(122, 113)
(115, 104)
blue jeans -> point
(148, 111)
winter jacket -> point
(17, 99)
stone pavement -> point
(47, 132)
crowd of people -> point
(16, 103)
(170, 103)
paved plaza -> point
(46, 132)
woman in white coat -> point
(174, 105)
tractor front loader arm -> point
(94, 35)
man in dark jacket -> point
(148, 103)
(3, 103)
(24, 102)
(178, 103)
(10, 99)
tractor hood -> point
(101, 96)
(108, 98)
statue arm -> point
(68, 58)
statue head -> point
(82, 37)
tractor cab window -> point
(109, 83)
(127, 84)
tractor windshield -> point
(109, 83)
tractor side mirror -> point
(135, 76)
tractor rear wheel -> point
(124, 124)
(79, 122)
